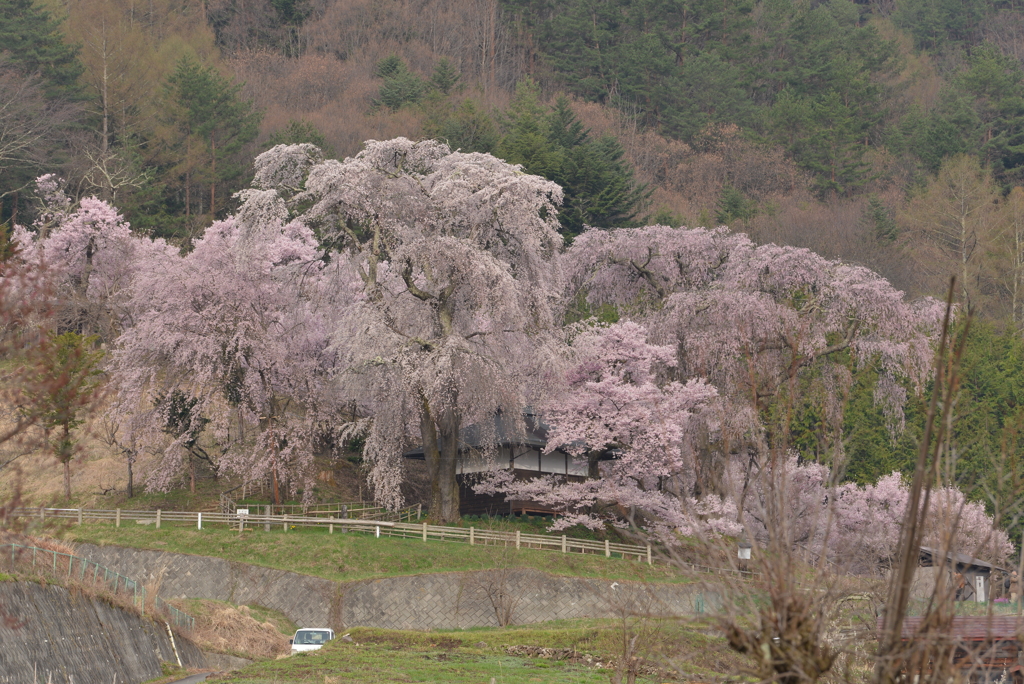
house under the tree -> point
(519, 448)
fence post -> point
(377, 531)
(563, 543)
(607, 549)
(158, 518)
(648, 554)
(199, 520)
(117, 518)
(79, 516)
(419, 510)
(266, 512)
(518, 535)
(471, 536)
(424, 531)
(330, 528)
(285, 523)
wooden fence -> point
(353, 509)
(379, 528)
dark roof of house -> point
(929, 555)
(971, 627)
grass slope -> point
(356, 556)
(379, 656)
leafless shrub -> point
(639, 627)
(501, 581)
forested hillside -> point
(887, 133)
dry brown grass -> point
(224, 628)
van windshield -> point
(313, 636)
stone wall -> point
(54, 635)
(433, 601)
(307, 601)
(477, 599)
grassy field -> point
(378, 656)
(355, 556)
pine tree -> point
(39, 98)
(33, 42)
(599, 187)
(210, 126)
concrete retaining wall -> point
(434, 601)
(49, 634)
(307, 601)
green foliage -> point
(389, 67)
(300, 131)
(33, 51)
(209, 125)
(870, 449)
(994, 82)
(445, 77)
(733, 206)
(401, 87)
(67, 378)
(663, 216)
(805, 75)
(940, 24)
(880, 218)
(988, 428)
(33, 43)
(463, 126)
(63, 385)
(599, 187)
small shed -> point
(983, 648)
(977, 574)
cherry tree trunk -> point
(441, 450)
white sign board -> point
(979, 583)
(241, 511)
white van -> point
(310, 639)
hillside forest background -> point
(888, 133)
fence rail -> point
(360, 510)
(63, 566)
(379, 528)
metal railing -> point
(62, 566)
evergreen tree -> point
(68, 377)
(300, 131)
(463, 126)
(209, 127)
(445, 77)
(599, 187)
(39, 97)
(400, 87)
(34, 44)
(733, 206)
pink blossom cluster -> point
(408, 292)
